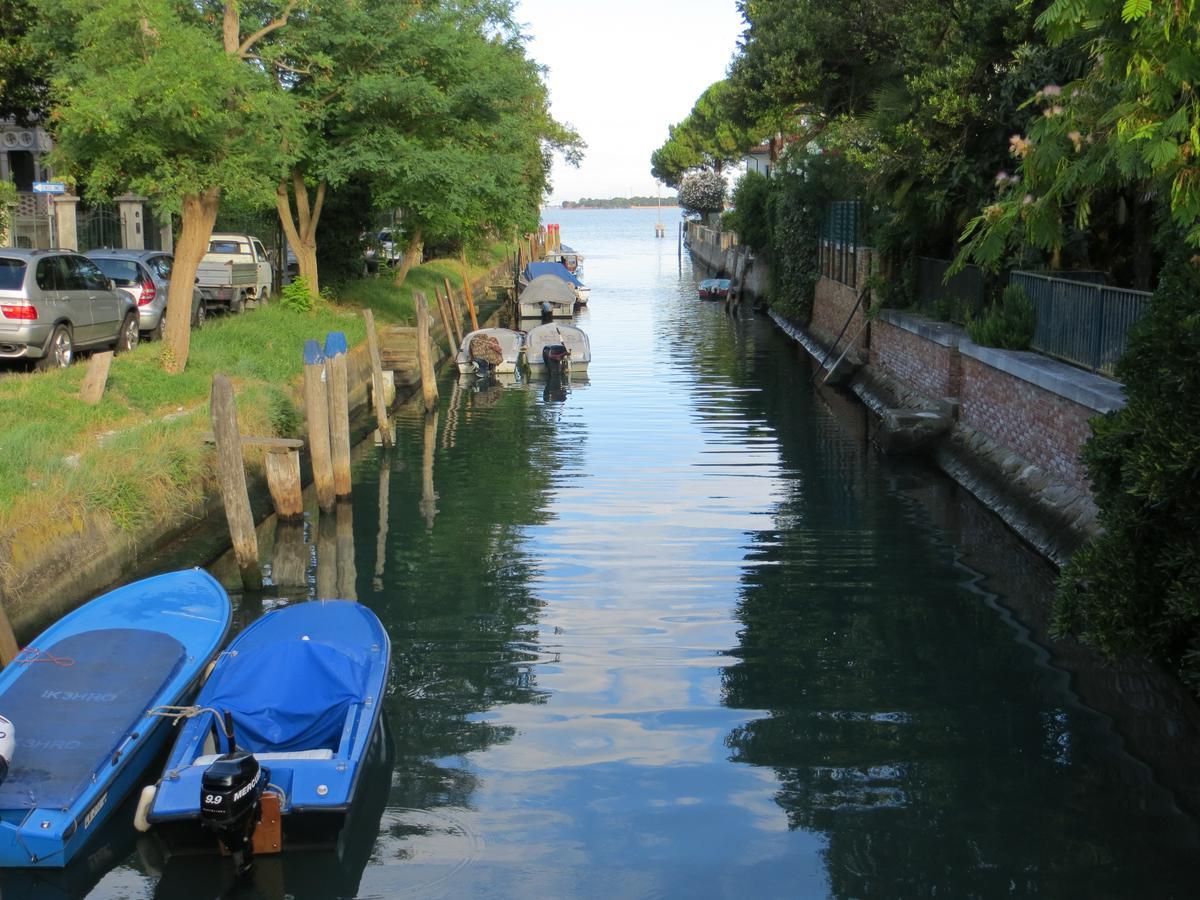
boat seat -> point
(267, 757)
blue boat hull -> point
(79, 698)
(303, 685)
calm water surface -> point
(681, 632)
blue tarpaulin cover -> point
(288, 695)
(558, 270)
(73, 703)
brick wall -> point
(1046, 429)
(928, 367)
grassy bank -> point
(72, 473)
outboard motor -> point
(8, 745)
(231, 790)
(557, 358)
(547, 311)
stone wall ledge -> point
(1093, 391)
(944, 333)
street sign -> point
(49, 187)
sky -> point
(621, 72)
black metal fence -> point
(963, 294)
(1079, 322)
(840, 236)
(97, 226)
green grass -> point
(139, 454)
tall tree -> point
(170, 100)
(710, 137)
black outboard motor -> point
(231, 790)
(556, 357)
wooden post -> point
(469, 294)
(377, 388)
(454, 317)
(231, 477)
(316, 408)
(385, 500)
(96, 378)
(336, 350)
(424, 354)
(444, 313)
(429, 497)
(283, 479)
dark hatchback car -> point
(146, 274)
(53, 303)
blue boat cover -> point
(558, 270)
(288, 695)
(74, 702)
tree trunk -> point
(412, 257)
(301, 231)
(199, 215)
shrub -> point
(703, 192)
(297, 296)
(1137, 587)
(750, 216)
(1008, 324)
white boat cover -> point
(574, 339)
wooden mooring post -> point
(283, 480)
(231, 478)
(377, 390)
(337, 381)
(468, 294)
(444, 312)
(316, 410)
(454, 316)
(429, 390)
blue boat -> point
(290, 708)
(558, 270)
(80, 700)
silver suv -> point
(146, 274)
(53, 303)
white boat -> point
(546, 297)
(549, 267)
(540, 344)
(490, 350)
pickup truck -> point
(234, 270)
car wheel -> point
(199, 315)
(60, 352)
(127, 338)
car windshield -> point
(12, 274)
(123, 272)
(235, 247)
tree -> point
(710, 137)
(703, 192)
(169, 100)
(1128, 125)
(24, 68)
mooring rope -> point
(175, 713)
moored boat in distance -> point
(555, 347)
(546, 297)
(82, 699)
(490, 350)
(558, 270)
(285, 722)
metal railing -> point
(962, 294)
(840, 236)
(1081, 323)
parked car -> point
(235, 269)
(53, 303)
(146, 274)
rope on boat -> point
(175, 713)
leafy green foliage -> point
(703, 192)
(708, 138)
(1007, 324)
(297, 295)
(1137, 587)
(24, 68)
(750, 215)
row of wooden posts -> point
(327, 413)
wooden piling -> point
(96, 377)
(429, 497)
(231, 478)
(468, 294)
(381, 532)
(444, 313)
(283, 480)
(377, 387)
(327, 562)
(289, 558)
(429, 389)
(347, 570)
(453, 307)
(316, 409)
(337, 381)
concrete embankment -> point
(49, 571)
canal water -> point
(677, 629)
